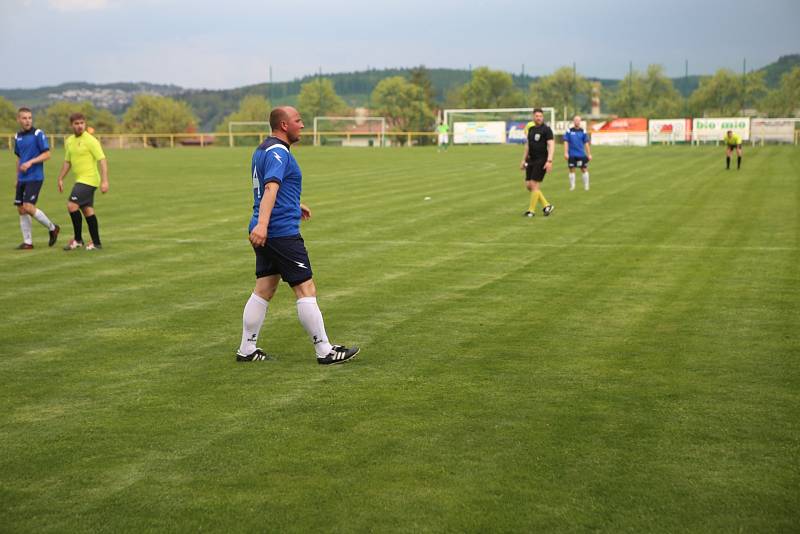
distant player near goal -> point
(444, 135)
(732, 142)
(577, 152)
(537, 160)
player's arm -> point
(587, 145)
(64, 170)
(566, 148)
(103, 175)
(551, 148)
(41, 158)
(258, 236)
(524, 156)
(305, 212)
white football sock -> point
(586, 180)
(42, 218)
(27, 230)
(572, 180)
(254, 312)
(311, 319)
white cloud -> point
(78, 5)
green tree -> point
(8, 116)
(251, 108)
(784, 101)
(421, 78)
(403, 105)
(318, 98)
(55, 118)
(158, 114)
(491, 89)
(727, 93)
(651, 95)
(562, 89)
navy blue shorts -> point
(286, 256)
(575, 161)
(27, 192)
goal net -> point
(350, 131)
(492, 125)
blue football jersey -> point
(576, 138)
(273, 162)
(28, 145)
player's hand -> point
(523, 165)
(61, 186)
(25, 166)
(104, 187)
(566, 157)
(258, 237)
(548, 165)
(305, 213)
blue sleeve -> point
(586, 138)
(273, 168)
(41, 139)
(16, 148)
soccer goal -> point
(492, 125)
(350, 131)
(250, 130)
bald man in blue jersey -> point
(279, 248)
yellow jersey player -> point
(733, 142)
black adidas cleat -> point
(338, 354)
(548, 209)
(255, 356)
(528, 214)
(54, 235)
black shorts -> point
(286, 256)
(535, 169)
(734, 147)
(27, 192)
(82, 195)
(574, 161)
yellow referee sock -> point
(542, 199)
(534, 197)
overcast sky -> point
(230, 43)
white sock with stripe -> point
(42, 218)
(572, 180)
(27, 229)
(311, 319)
(586, 180)
(254, 312)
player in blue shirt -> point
(32, 150)
(279, 248)
(577, 152)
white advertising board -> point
(669, 130)
(776, 130)
(620, 138)
(479, 132)
(713, 129)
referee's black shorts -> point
(286, 256)
(535, 169)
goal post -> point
(451, 116)
(250, 125)
(349, 128)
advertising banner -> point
(712, 129)
(479, 132)
(670, 130)
(515, 132)
(628, 132)
(776, 130)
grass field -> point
(627, 364)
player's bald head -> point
(280, 114)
